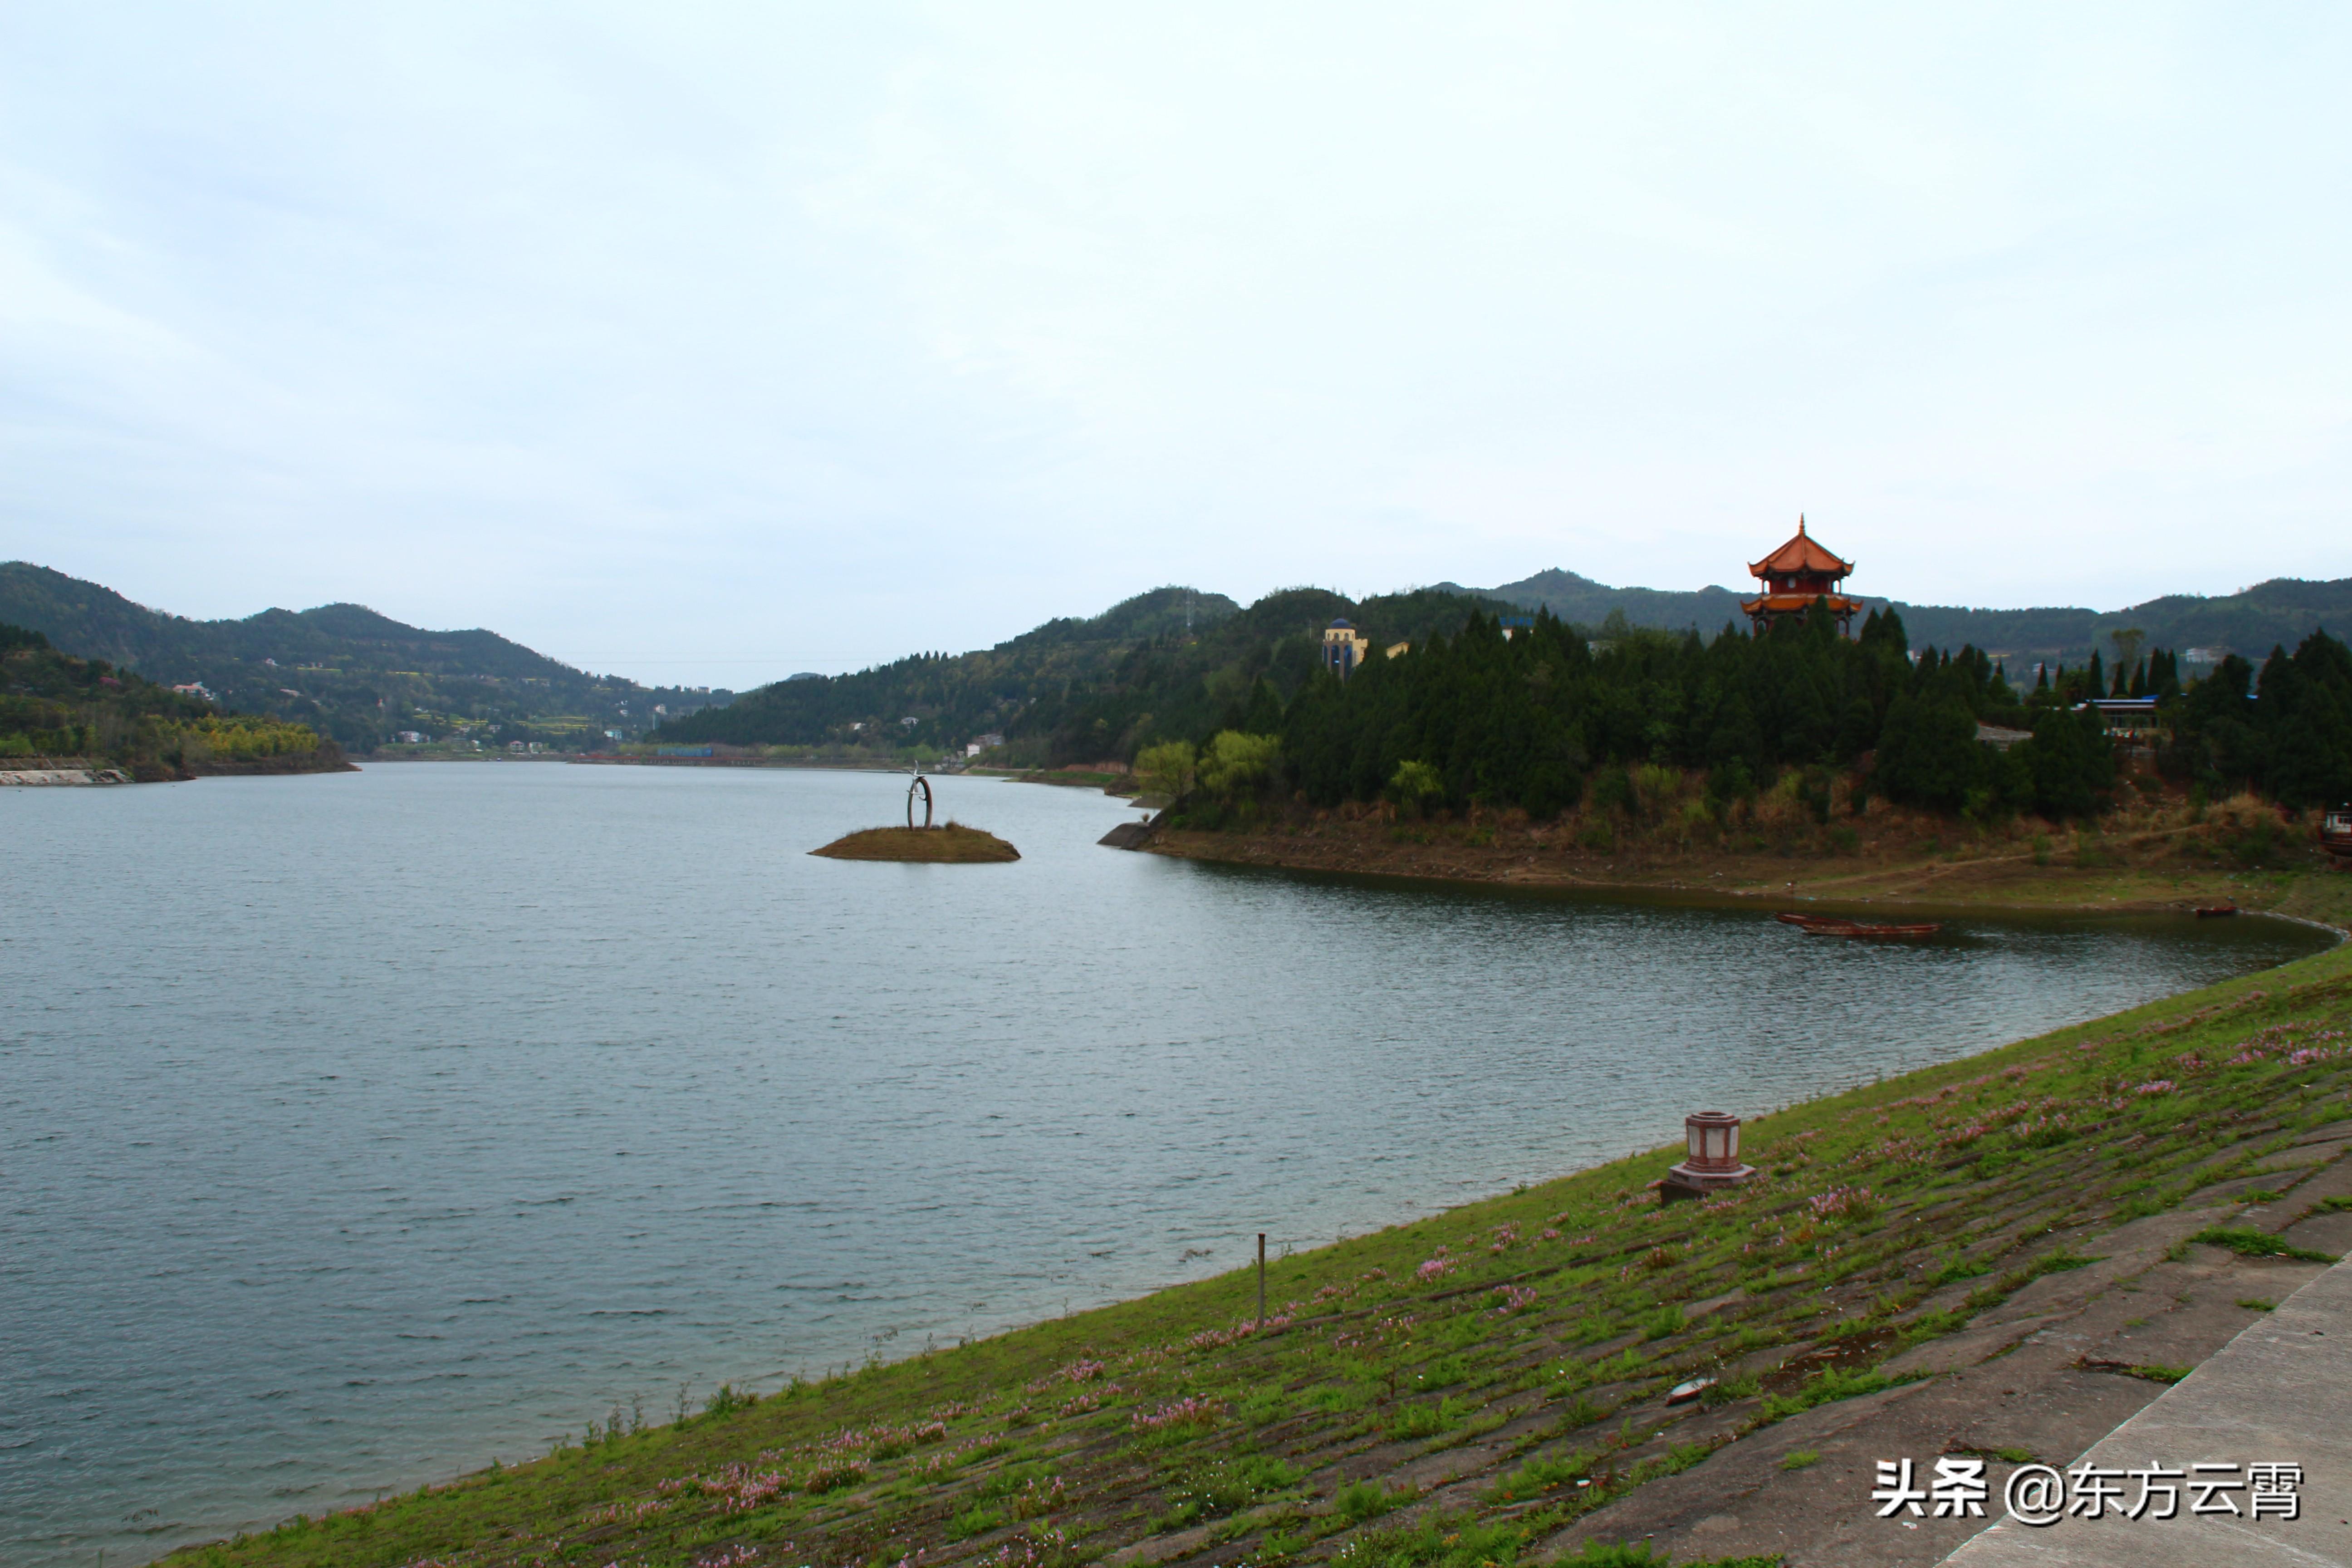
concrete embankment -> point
(2072, 1369)
(2272, 1396)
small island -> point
(954, 844)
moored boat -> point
(1865, 931)
(2336, 832)
(2207, 911)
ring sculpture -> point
(922, 787)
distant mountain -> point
(2252, 621)
(352, 674)
(1580, 599)
(2279, 613)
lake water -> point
(355, 1130)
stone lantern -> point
(1712, 1164)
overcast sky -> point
(710, 344)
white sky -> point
(710, 344)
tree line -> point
(1537, 719)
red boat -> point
(2207, 912)
(1862, 931)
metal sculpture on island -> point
(929, 841)
(1712, 1164)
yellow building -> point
(1344, 647)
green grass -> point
(1217, 1487)
(2247, 1243)
(1541, 1475)
(1824, 1388)
(1102, 1428)
(1368, 1499)
(1800, 1460)
(2258, 1303)
(2153, 1373)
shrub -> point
(1840, 1205)
(1361, 1500)
(1236, 765)
(1665, 1321)
(1415, 785)
(1167, 770)
(1540, 1475)
(1427, 1420)
(833, 1478)
(977, 1519)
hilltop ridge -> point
(2252, 621)
(346, 670)
(1074, 688)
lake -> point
(357, 1129)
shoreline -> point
(1462, 1372)
(91, 773)
(2011, 882)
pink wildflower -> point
(1189, 1410)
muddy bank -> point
(2142, 862)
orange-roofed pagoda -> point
(1794, 576)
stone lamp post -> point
(1713, 1162)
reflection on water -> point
(355, 1130)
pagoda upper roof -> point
(1801, 554)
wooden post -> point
(1261, 1280)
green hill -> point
(349, 673)
(1586, 603)
(1172, 661)
(56, 706)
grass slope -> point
(954, 845)
(1173, 1428)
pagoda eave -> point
(1795, 604)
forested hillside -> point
(1534, 722)
(345, 671)
(1525, 723)
(53, 705)
(1173, 662)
